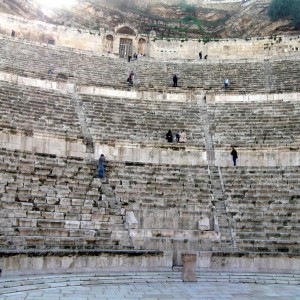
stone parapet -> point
(248, 262)
(36, 261)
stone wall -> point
(16, 264)
(41, 32)
(256, 47)
(247, 262)
(37, 262)
(101, 41)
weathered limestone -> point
(107, 42)
(264, 208)
(37, 262)
(94, 72)
(248, 262)
(157, 195)
(189, 263)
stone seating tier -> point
(31, 60)
(31, 109)
(117, 119)
(255, 123)
(52, 202)
(185, 188)
(263, 203)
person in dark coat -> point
(177, 136)
(175, 80)
(101, 166)
(234, 155)
(226, 83)
(169, 136)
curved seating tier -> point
(168, 202)
(54, 202)
(111, 119)
(256, 122)
(31, 109)
(264, 206)
(86, 68)
(50, 202)
(151, 186)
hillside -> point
(181, 20)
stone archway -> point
(126, 29)
(126, 33)
(142, 46)
(109, 43)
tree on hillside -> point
(283, 9)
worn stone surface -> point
(189, 265)
(151, 285)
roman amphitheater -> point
(161, 204)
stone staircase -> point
(223, 220)
(13, 285)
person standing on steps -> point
(200, 55)
(175, 80)
(226, 83)
(101, 166)
(169, 136)
(177, 136)
(234, 155)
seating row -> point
(264, 206)
(54, 202)
(86, 68)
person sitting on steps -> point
(130, 77)
(182, 138)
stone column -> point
(189, 265)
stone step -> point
(15, 284)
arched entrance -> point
(126, 42)
(125, 47)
